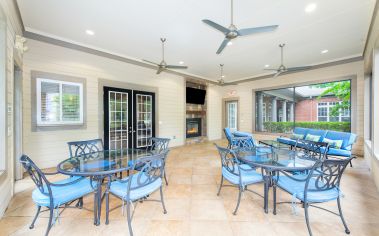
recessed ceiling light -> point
(90, 32)
(181, 62)
(230, 43)
(223, 76)
(266, 66)
(310, 7)
(324, 51)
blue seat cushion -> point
(248, 177)
(337, 152)
(302, 131)
(120, 188)
(286, 141)
(63, 194)
(348, 138)
(296, 188)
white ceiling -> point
(132, 28)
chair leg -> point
(165, 177)
(239, 200)
(306, 206)
(274, 198)
(219, 189)
(162, 200)
(107, 207)
(350, 162)
(50, 224)
(79, 204)
(35, 217)
(347, 231)
(129, 218)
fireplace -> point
(193, 127)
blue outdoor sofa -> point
(341, 143)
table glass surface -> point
(274, 143)
(277, 159)
(103, 162)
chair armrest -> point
(66, 184)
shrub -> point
(287, 127)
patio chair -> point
(159, 145)
(78, 148)
(139, 185)
(247, 142)
(239, 175)
(320, 185)
(53, 195)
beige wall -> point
(371, 64)
(6, 178)
(49, 147)
(354, 69)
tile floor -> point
(194, 209)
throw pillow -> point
(297, 136)
(337, 144)
(314, 138)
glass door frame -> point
(225, 102)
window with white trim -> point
(59, 102)
(324, 110)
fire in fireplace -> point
(193, 127)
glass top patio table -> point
(277, 159)
(274, 143)
(102, 163)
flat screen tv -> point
(195, 96)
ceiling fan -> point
(221, 80)
(163, 65)
(282, 68)
(232, 32)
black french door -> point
(129, 118)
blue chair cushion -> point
(248, 177)
(337, 152)
(228, 134)
(348, 138)
(120, 188)
(296, 188)
(286, 141)
(63, 194)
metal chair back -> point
(242, 143)
(159, 144)
(312, 149)
(80, 148)
(37, 176)
(228, 160)
(151, 169)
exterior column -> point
(284, 111)
(274, 108)
(292, 111)
(260, 112)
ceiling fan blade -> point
(150, 62)
(160, 69)
(216, 26)
(277, 74)
(176, 67)
(299, 68)
(223, 45)
(255, 30)
(271, 69)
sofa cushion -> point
(333, 143)
(297, 136)
(286, 141)
(337, 152)
(318, 132)
(302, 131)
(348, 138)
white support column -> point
(274, 108)
(292, 111)
(260, 112)
(284, 111)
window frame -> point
(39, 121)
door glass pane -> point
(144, 119)
(118, 120)
(231, 115)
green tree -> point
(339, 89)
